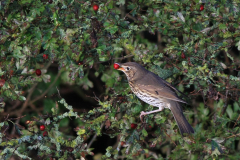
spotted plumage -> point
(155, 91)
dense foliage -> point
(194, 45)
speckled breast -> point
(144, 96)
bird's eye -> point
(128, 68)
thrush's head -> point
(133, 71)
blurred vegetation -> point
(80, 98)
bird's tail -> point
(181, 120)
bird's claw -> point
(142, 114)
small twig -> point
(169, 137)
(108, 2)
(94, 137)
(6, 129)
(17, 118)
(202, 93)
(235, 135)
(6, 117)
(46, 91)
(25, 104)
(34, 108)
(95, 97)
(225, 104)
(16, 105)
(131, 17)
(130, 12)
(58, 93)
(176, 67)
(236, 121)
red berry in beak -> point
(116, 66)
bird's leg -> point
(160, 108)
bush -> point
(48, 44)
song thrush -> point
(155, 91)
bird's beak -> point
(120, 68)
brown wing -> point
(174, 88)
(158, 87)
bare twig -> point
(202, 93)
(58, 93)
(169, 137)
(6, 117)
(94, 137)
(108, 2)
(131, 17)
(235, 135)
(46, 91)
(16, 105)
(130, 12)
(34, 108)
(236, 121)
(17, 118)
(176, 66)
(25, 104)
(225, 104)
(95, 97)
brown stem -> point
(46, 91)
(225, 104)
(94, 137)
(236, 121)
(169, 137)
(235, 135)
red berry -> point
(70, 149)
(11, 72)
(133, 125)
(95, 7)
(45, 133)
(80, 63)
(38, 72)
(2, 82)
(183, 55)
(45, 56)
(122, 143)
(42, 127)
(201, 7)
(116, 66)
(27, 122)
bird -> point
(155, 91)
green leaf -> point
(22, 98)
(120, 2)
(229, 56)
(229, 111)
(222, 26)
(113, 29)
(144, 132)
(19, 132)
(81, 131)
(47, 36)
(48, 121)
